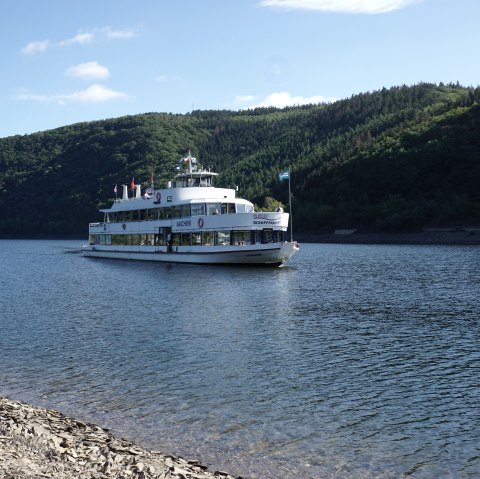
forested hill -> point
(396, 159)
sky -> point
(70, 61)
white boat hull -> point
(268, 254)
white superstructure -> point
(191, 221)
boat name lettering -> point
(266, 222)
(184, 223)
(265, 219)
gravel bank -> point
(42, 443)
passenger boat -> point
(190, 221)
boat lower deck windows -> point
(195, 238)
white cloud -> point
(279, 100)
(79, 38)
(340, 6)
(92, 94)
(35, 47)
(97, 94)
(89, 71)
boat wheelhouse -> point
(190, 221)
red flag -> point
(132, 184)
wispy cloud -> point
(92, 94)
(340, 6)
(278, 100)
(167, 78)
(81, 38)
(88, 71)
(35, 47)
(120, 34)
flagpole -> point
(290, 204)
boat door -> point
(163, 237)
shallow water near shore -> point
(353, 361)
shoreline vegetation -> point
(440, 236)
(38, 443)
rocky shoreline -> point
(43, 443)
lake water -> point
(350, 362)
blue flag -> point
(284, 176)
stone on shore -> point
(42, 443)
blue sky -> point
(66, 61)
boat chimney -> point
(138, 191)
(125, 192)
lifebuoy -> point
(158, 196)
(200, 222)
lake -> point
(353, 361)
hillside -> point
(390, 160)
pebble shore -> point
(42, 443)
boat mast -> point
(290, 205)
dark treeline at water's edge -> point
(399, 159)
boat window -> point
(240, 208)
(142, 215)
(248, 208)
(176, 211)
(136, 240)
(91, 239)
(117, 239)
(198, 209)
(185, 239)
(213, 208)
(267, 236)
(241, 238)
(207, 238)
(230, 208)
(196, 239)
(175, 239)
(185, 211)
(222, 237)
(167, 213)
